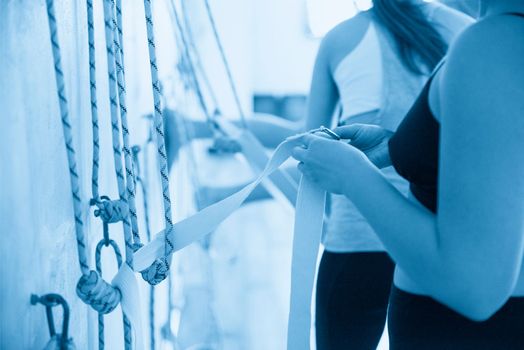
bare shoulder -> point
(488, 53)
(494, 41)
(484, 74)
(344, 38)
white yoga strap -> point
(307, 232)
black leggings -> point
(419, 322)
(352, 300)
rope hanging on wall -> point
(142, 181)
(106, 242)
(186, 57)
(225, 63)
(68, 138)
(111, 211)
(160, 268)
(101, 296)
(198, 60)
(128, 160)
(91, 288)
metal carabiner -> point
(50, 301)
(326, 131)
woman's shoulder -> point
(490, 40)
(485, 63)
(344, 37)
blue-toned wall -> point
(37, 239)
(38, 250)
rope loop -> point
(98, 251)
(97, 293)
(157, 272)
(111, 211)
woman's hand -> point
(333, 165)
(225, 145)
(370, 139)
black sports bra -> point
(414, 148)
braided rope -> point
(226, 64)
(198, 59)
(121, 84)
(91, 288)
(119, 27)
(94, 105)
(142, 180)
(161, 265)
(111, 62)
(187, 56)
(68, 138)
(105, 242)
(117, 154)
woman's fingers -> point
(299, 153)
(349, 132)
(308, 139)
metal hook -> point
(50, 301)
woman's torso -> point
(375, 88)
(414, 151)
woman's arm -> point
(468, 257)
(323, 94)
(471, 256)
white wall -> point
(284, 52)
(38, 253)
(269, 52)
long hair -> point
(416, 38)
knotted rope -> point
(159, 270)
(110, 211)
(121, 210)
(106, 242)
(91, 288)
(96, 292)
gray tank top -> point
(346, 230)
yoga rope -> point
(191, 69)
(198, 60)
(226, 64)
(142, 181)
(109, 30)
(119, 27)
(106, 242)
(160, 268)
(110, 211)
(166, 331)
(128, 160)
(68, 138)
(94, 105)
(90, 288)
